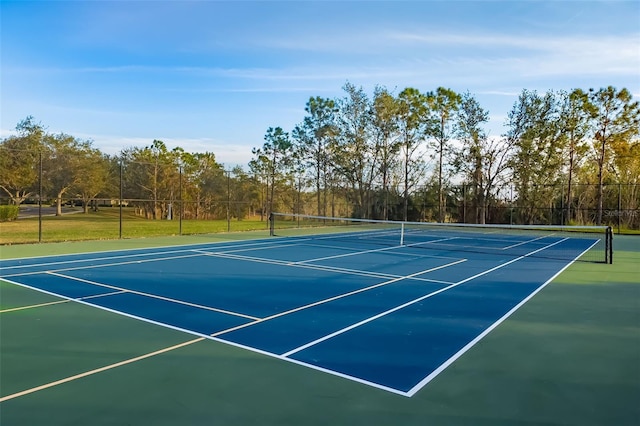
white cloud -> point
(226, 152)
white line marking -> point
(525, 242)
(358, 253)
(399, 253)
(307, 365)
(154, 296)
(158, 251)
(33, 306)
(330, 299)
(99, 370)
(408, 394)
(472, 343)
(404, 305)
(39, 305)
(319, 267)
(103, 265)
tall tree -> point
(475, 157)
(315, 137)
(411, 115)
(353, 147)
(385, 129)
(443, 104)
(535, 133)
(575, 120)
(275, 156)
(616, 118)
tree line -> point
(378, 150)
(375, 154)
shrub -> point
(8, 213)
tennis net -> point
(587, 243)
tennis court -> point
(377, 314)
(390, 317)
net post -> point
(608, 251)
(402, 234)
(272, 228)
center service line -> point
(340, 296)
(419, 299)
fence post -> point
(464, 203)
(562, 203)
(511, 204)
(120, 203)
(180, 200)
(40, 198)
(228, 200)
(619, 206)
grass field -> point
(567, 357)
(105, 224)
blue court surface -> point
(392, 317)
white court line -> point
(130, 262)
(330, 299)
(184, 248)
(252, 248)
(472, 343)
(154, 296)
(99, 370)
(318, 267)
(335, 373)
(39, 305)
(404, 305)
(34, 306)
(63, 262)
(526, 242)
(358, 253)
(199, 339)
(102, 265)
(400, 253)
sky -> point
(213, 76)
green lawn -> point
(105, 224)
(570, 356)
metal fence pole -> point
(619, 206)
(180, 201)
(120, 203)
(228, 200)
(40, 198)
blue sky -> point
(214, 75)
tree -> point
(93, 175)
(19, 160)
(616, 119)
(443, 104)
(411, 116)
(244, 192)
(626, 167)
(481, 160)
(535, 134)
(385, 128)
(151, 176)
(274, 158)
(200, 174)
(315, 136)
(575, 121)
(353, 151)
(64, 165)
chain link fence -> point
(125, 199)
